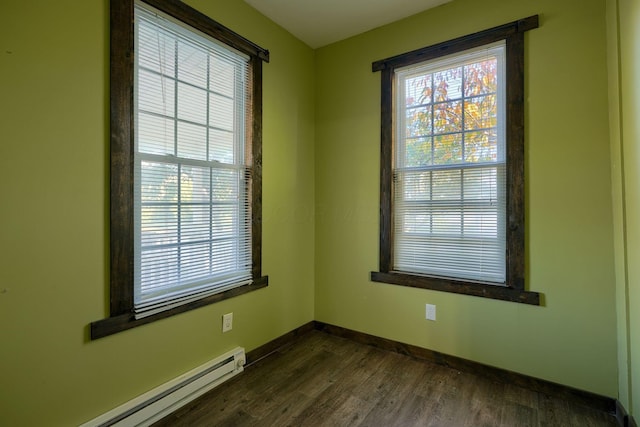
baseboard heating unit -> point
(150, 407)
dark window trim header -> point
(202, 22)
(459, 44)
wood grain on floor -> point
(324, 380)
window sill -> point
(113, 325)
(483, 290)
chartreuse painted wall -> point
(571, 338)
(623, 22)
(54, 217)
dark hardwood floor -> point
(324, 380)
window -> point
(449, 167)
(452, 166)
(185, 163)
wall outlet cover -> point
(227, 322)
(430, 312)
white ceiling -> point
(322, 22)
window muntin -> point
(449, 171)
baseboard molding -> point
(622, 417)
(273, 345)
(570, 394)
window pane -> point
(156, 94)
(192, 141)
(156, 50)
(199, 188)
(448, 84)
(481, 184)
(481, 77)
(159, 225)
(418, 152)
(158, 269)
(447, 222)
(415, 185)
(194, 223)
(418, 90)
(195, 262)
(222, 77)
(222, 112)
(192, 104)
(481, 224)
(447, 117)
(193, 65)
(159, 210)
(224, 221)
(481, 146)
(159, 182)
(225, 184)
(447, 149)
(419, 121)
(447, 185)
(480, 112)
(221, 146)
(194, 204)
(156, 135)
(223, 257)
(416, 222)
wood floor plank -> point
(351, 387)
(486, 403)
(396, 402)
(324, 380)
(516, 415)
(273, 394)
(288, 412)
(555, 412)
(521, 396)
(416, 411)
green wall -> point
(571, 338)
(53, 217)
(624, 69)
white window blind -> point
(192, 209)
(449, 170)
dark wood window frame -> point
(122, 53)
(514, 289)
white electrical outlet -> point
(431, 312)
(227, 322)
